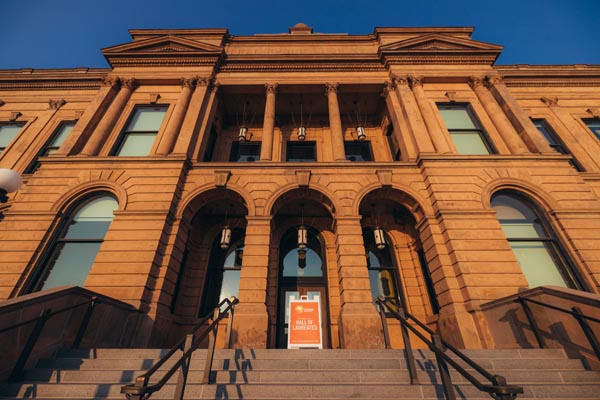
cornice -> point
(300, 67)
(52, 79)
(177, 60)
(440, 57)
(550, 75)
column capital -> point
(331, 88)
(271, 87)
(399, 80)
(475, 82)
(111, 81)
(549, 101)
(414, 80)
(56, 104)
(492, 80)
(387, 88)
(129, 83)
(189, 83)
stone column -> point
(335, 122)
(510, 136)
(251, 321)
(438, 136)
(99, 136)
(359, 323)
(522, 123)
(405, 141)
(266, 147)
(176, 120)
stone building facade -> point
(483, 180)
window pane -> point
(358, 151)
(72, 264)
(231, 284)
(245, 152)
(469, 143)
(541, 126)
(147, 119)
(522, 230)
(93, 219)
(301, 151)
(65, 129)
(457, 118)
(137, 144)
(313, 264)
(537, 263)
(7, 133)
(594, 125)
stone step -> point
(242, 377)
(287, 391)
(306, 364)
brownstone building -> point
(402, 163)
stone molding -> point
(331, 88)
(14, 115)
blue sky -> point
(70, 33)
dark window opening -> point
(245, 151)
(301, 152)
(593, 125)
(358, 151)
(435, 306)
(393, 143)
(210, 144)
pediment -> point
(443, 48)
(163, 44)
(163, 50)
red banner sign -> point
(304, 329)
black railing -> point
(497, 388)
(575, 312)
(142, 389)
(36, 332)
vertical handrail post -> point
(183, 371)
(212, 340)
(84, 323)
(29, 345)
(531, 320)
(229, 326)
(386, 334)
(587, 331)
(410, 357)
(443, 367)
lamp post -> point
(10, 181)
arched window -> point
(533, 243)
(224, 271)
(73, 254)
(383, 274)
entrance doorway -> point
(301, 275)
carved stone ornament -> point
(594, 112)
(56, 104)
(271, 87)
(331, 88)
(385, 177)
(14, 115)
(111, 81)
(189, 83)
(387, 88)
(414, 81)
(550, 101)
(203, 81)
(491, 80)
(129, 83)
(451, 96)
(303, 177)
(221, 177)
(2, 103)
(475, 82)
(154, 97)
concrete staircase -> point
(303, 374)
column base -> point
(458, 328)
(360, 327)
(250, 327)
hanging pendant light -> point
(225, 237)
(379, 238)
(301, 258)
(302, 237)
(360, 130)
(243, 134)
(301, 133)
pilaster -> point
(399, 121)
(266, 149)
(335, 122)
(176, 120)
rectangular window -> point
(393, 143)
(210, 144)
(301, 152)
(358, 151)
(245, 151)
(141, 131)
(52, 146)
(8, 133)
(549, 135)
(467, 136)
(593, 125)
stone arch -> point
(403, 196)
(78, 193)
(203, 195)
(291, 192)
(540, 197)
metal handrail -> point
(575, 312)
(40, 321)
(188, 344)
(498, 389)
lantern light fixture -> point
(225, 237)
(10, 181)
(379, 238)
(302, 126)
(301, 258)
(302, 237)
(243, 134)
(301, 133)
(360, 131)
